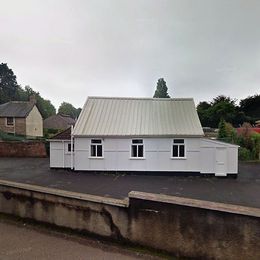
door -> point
(221, 161)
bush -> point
(244, 154)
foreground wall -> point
(183, 227)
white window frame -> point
(96, 144)
(137, 144)
(8, 124)
(178, 144)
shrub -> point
(244, 154)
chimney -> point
(32, 99)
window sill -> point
(96, 158)
(178, 158)
(137, 158)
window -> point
(137, 148)
(96, 148)
(178, 148)
(9, 121)
(69, 147)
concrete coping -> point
(67, 194)
(230, 208)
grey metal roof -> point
(110, 116)
(16, 108)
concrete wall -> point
(60, 157)
(22, 149)
(157, 155)
(182, 227)
(18, 128)
(34, 123)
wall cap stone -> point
(67, 194)
(230, 208)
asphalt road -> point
(26, 242)
(245, 190)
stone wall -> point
(19, 127)
(182, 227)
(23, 149)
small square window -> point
(10, 121)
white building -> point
(142, 134)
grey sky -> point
(68, 50)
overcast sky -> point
(68, 50)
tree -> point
(222, 133)
(8, 84)
(161, 89)
(45, 106)
(69, 109)
(251, 106)
(220, 107)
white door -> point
(221, 161)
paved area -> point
(23, 241)
(245, 190)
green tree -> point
(8, 84)
(69, 109)
(45, 106)
(161, 89)
(251, 106)
(222, 133)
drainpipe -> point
(71, 150)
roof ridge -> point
(141, 98)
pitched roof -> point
(107, 116)
(64, 135)
(58, 121)
(16, 109)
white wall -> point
(59, 155)
(157, 155)
(208, 156)
(34, 123)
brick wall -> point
(19, 127)
(22, 149)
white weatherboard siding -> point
(218, 157)
(59, 155)
(157, 155)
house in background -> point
(59, 121)
(142, 134)
(21, 118)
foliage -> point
(68, 109)
(243, 154)
(222, 133)
(8, 84)
(224, 107)
(10, 90)
(251, 106)
(161, 89)
(9, 137)
(50, 132)
(45, 106)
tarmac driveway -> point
(245, 190)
